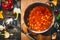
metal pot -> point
(27, 14)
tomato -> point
(8, 5)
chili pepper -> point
(8, 5)
(58, 17)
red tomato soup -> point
(40, 18)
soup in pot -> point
(40, 18)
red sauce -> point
(40, 18)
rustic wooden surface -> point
(24, 5)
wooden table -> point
(24, 5)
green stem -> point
(16, 16)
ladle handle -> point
(28, 34)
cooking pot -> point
(26, 14)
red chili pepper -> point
(7, 6)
